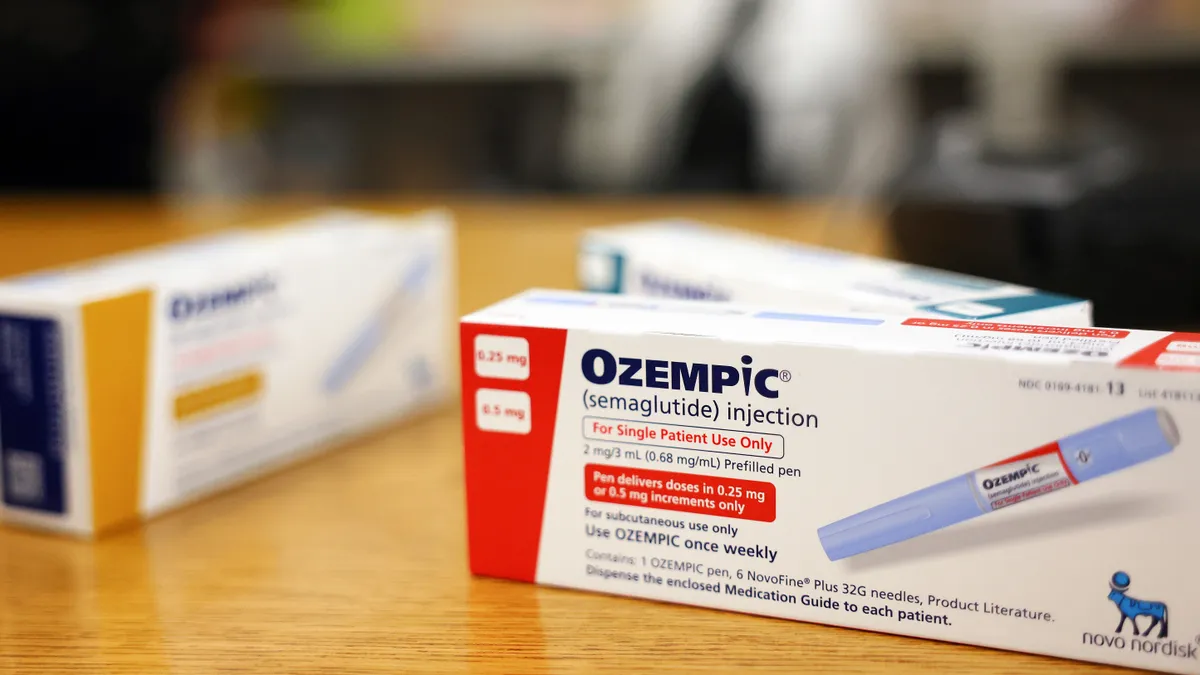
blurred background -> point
(1048, 142)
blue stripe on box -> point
(559, 300)
(820, 318)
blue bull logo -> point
(1132, 608)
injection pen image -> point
(1103, 449)
(368, 338)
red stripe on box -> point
(507, 473)
(687, 492)
(1160, 356)
(1028, 329)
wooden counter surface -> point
(355, 562)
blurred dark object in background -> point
(1109, 215)
(1132, 247)
(717, 146)
(367, 134)
(82, 87)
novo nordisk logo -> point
(1145, 639)
(601, 367)
(188, 305)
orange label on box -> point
(225, 392)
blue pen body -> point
(372, 334)
(1098, 451)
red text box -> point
(672, 491)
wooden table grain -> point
(355, 562)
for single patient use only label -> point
(704, 439)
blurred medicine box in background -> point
(139, 382)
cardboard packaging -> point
(136, 383)
(694, 261)
(1016, 486)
